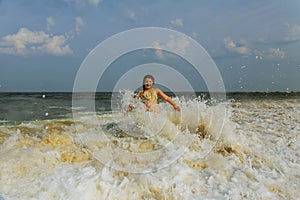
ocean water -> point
(247, 147)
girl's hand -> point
(177, 108)
(130, 107)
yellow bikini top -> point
(149, 96)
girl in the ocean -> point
(149, 96)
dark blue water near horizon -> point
(17, 107)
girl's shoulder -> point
(157, 90)
(138, 94)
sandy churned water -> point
(255, 154)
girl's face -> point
(148, 83)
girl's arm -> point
(137, 96)
(131, 106)
(167, 99)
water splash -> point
(256, 156)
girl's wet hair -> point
(148, 76)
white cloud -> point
(70, 34)
(293, 33)
(179, 45)
(82, 3)
(26, 41)
(262, 40)
(259, 54)
(194, 35)
(276, 53)
(79, 23)
(240, 48)
(270, 54)
(177, 22)
(158, 49)
(56, 46)
(50, 22)
(132, 15)
(94, 2)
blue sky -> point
(255, 44)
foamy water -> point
(250, 151)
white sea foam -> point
(256, 155)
